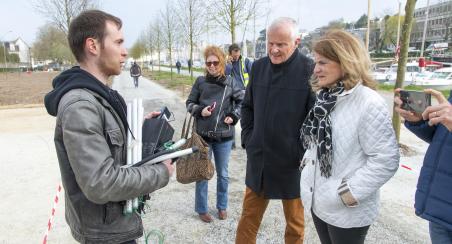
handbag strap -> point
(186, 127)
(182, 136)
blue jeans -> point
(221, 152)
(439, 234)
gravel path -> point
(30, 174)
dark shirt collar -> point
(287, 62)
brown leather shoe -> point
(222, 214)
(206, 217)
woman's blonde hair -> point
(216, 51)
(345, 49)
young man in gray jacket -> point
(91, 136)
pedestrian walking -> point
(135, 72)
(190, 65)
(351, 146)
(178, 66)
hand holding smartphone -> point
(212, 106)
(415, 101)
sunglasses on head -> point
(215, 63)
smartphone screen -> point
(212, 107)
(165, 113)
(415, 101)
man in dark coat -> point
(277, 100)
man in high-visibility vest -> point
(239, 68)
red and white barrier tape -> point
(52, 215)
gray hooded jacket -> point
(90, 141)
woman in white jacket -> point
(351, 145)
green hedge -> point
(2, 70)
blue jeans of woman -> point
(221, 152)
(440, 234)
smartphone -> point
(415, 101)
(165, 113)
(212, 106)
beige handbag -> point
(196, 166)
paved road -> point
(30, 174)
(182, 71)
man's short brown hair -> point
(88, 24)
(233, 47)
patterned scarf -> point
(316, 128)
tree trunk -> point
(191, 40)
(404, 40)
(232, 15)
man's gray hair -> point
(286, 22)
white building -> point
(20, 48)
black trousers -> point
(330, 234)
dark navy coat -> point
(277, 100)
(433, 200)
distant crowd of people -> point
(317, 136)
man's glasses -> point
(215, 63)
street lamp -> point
(4, 54)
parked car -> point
(379, 74)
(441, 79)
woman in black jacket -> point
(215, 101)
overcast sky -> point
(20, 17)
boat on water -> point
(440, 79)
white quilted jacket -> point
(365, 154)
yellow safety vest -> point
(245, 74)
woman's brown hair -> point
(345, 49)
(216, 51)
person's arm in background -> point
(248, 65)
(228, 69)
(139, 70)
(247, 112)
(237, 98)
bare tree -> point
(191, 18)
(150, 43)
(61, 12)
(230, 14)
(156, 38)
(169, 29)
(404, 41)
